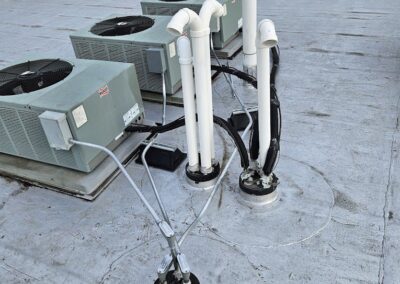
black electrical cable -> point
(275, 63)
(140, 128)
(249, 78)
(236, 138)
(235, 72)
(276, 115)
(181, 122)
(272, 156)
(254, 141)
(276, 119)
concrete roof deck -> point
(338, 216)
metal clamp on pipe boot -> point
(258, 183)
(204, 178)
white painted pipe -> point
(209, 9)
(185, 60)
(200, 32)
(249, 14)
(267, 38)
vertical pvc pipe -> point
(264, 101)
(249, 14)
(200, 34)
(266, 39)
(209, 9)
(185, 60)
(201, 51)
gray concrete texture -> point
(337, 218)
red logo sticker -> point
(103, 91)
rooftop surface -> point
(338, 216)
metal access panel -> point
(97, 100)
(223, 32)
(132, 48)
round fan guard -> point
(31, 76)
(120, 26)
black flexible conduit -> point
(276, 116)
(181, 122)
(276, 120)
(275, 63)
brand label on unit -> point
(131, 114)
(79, 115)
(103, 91)
(172, 49)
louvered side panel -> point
(116, 53)
(16, 130)
(37, 137)
(82, 49)
(6, 146)
(21, 134)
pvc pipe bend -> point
(211, 8)
(183, 18)
(267, 37)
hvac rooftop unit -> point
(96, 99)
(223, 30)
(141, 40)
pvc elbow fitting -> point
(267, 34)
(211, 8)
(183, 18)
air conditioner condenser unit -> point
(224, 30)
(142, 40)
(96, 99)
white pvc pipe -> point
(249, 14)
(267, 38)
(185, 60)
(209, 9)
(200, 32)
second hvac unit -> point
(141, 40)
(96, 99)
(224, 31)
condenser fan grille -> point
(122, 26)
(32, 76)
